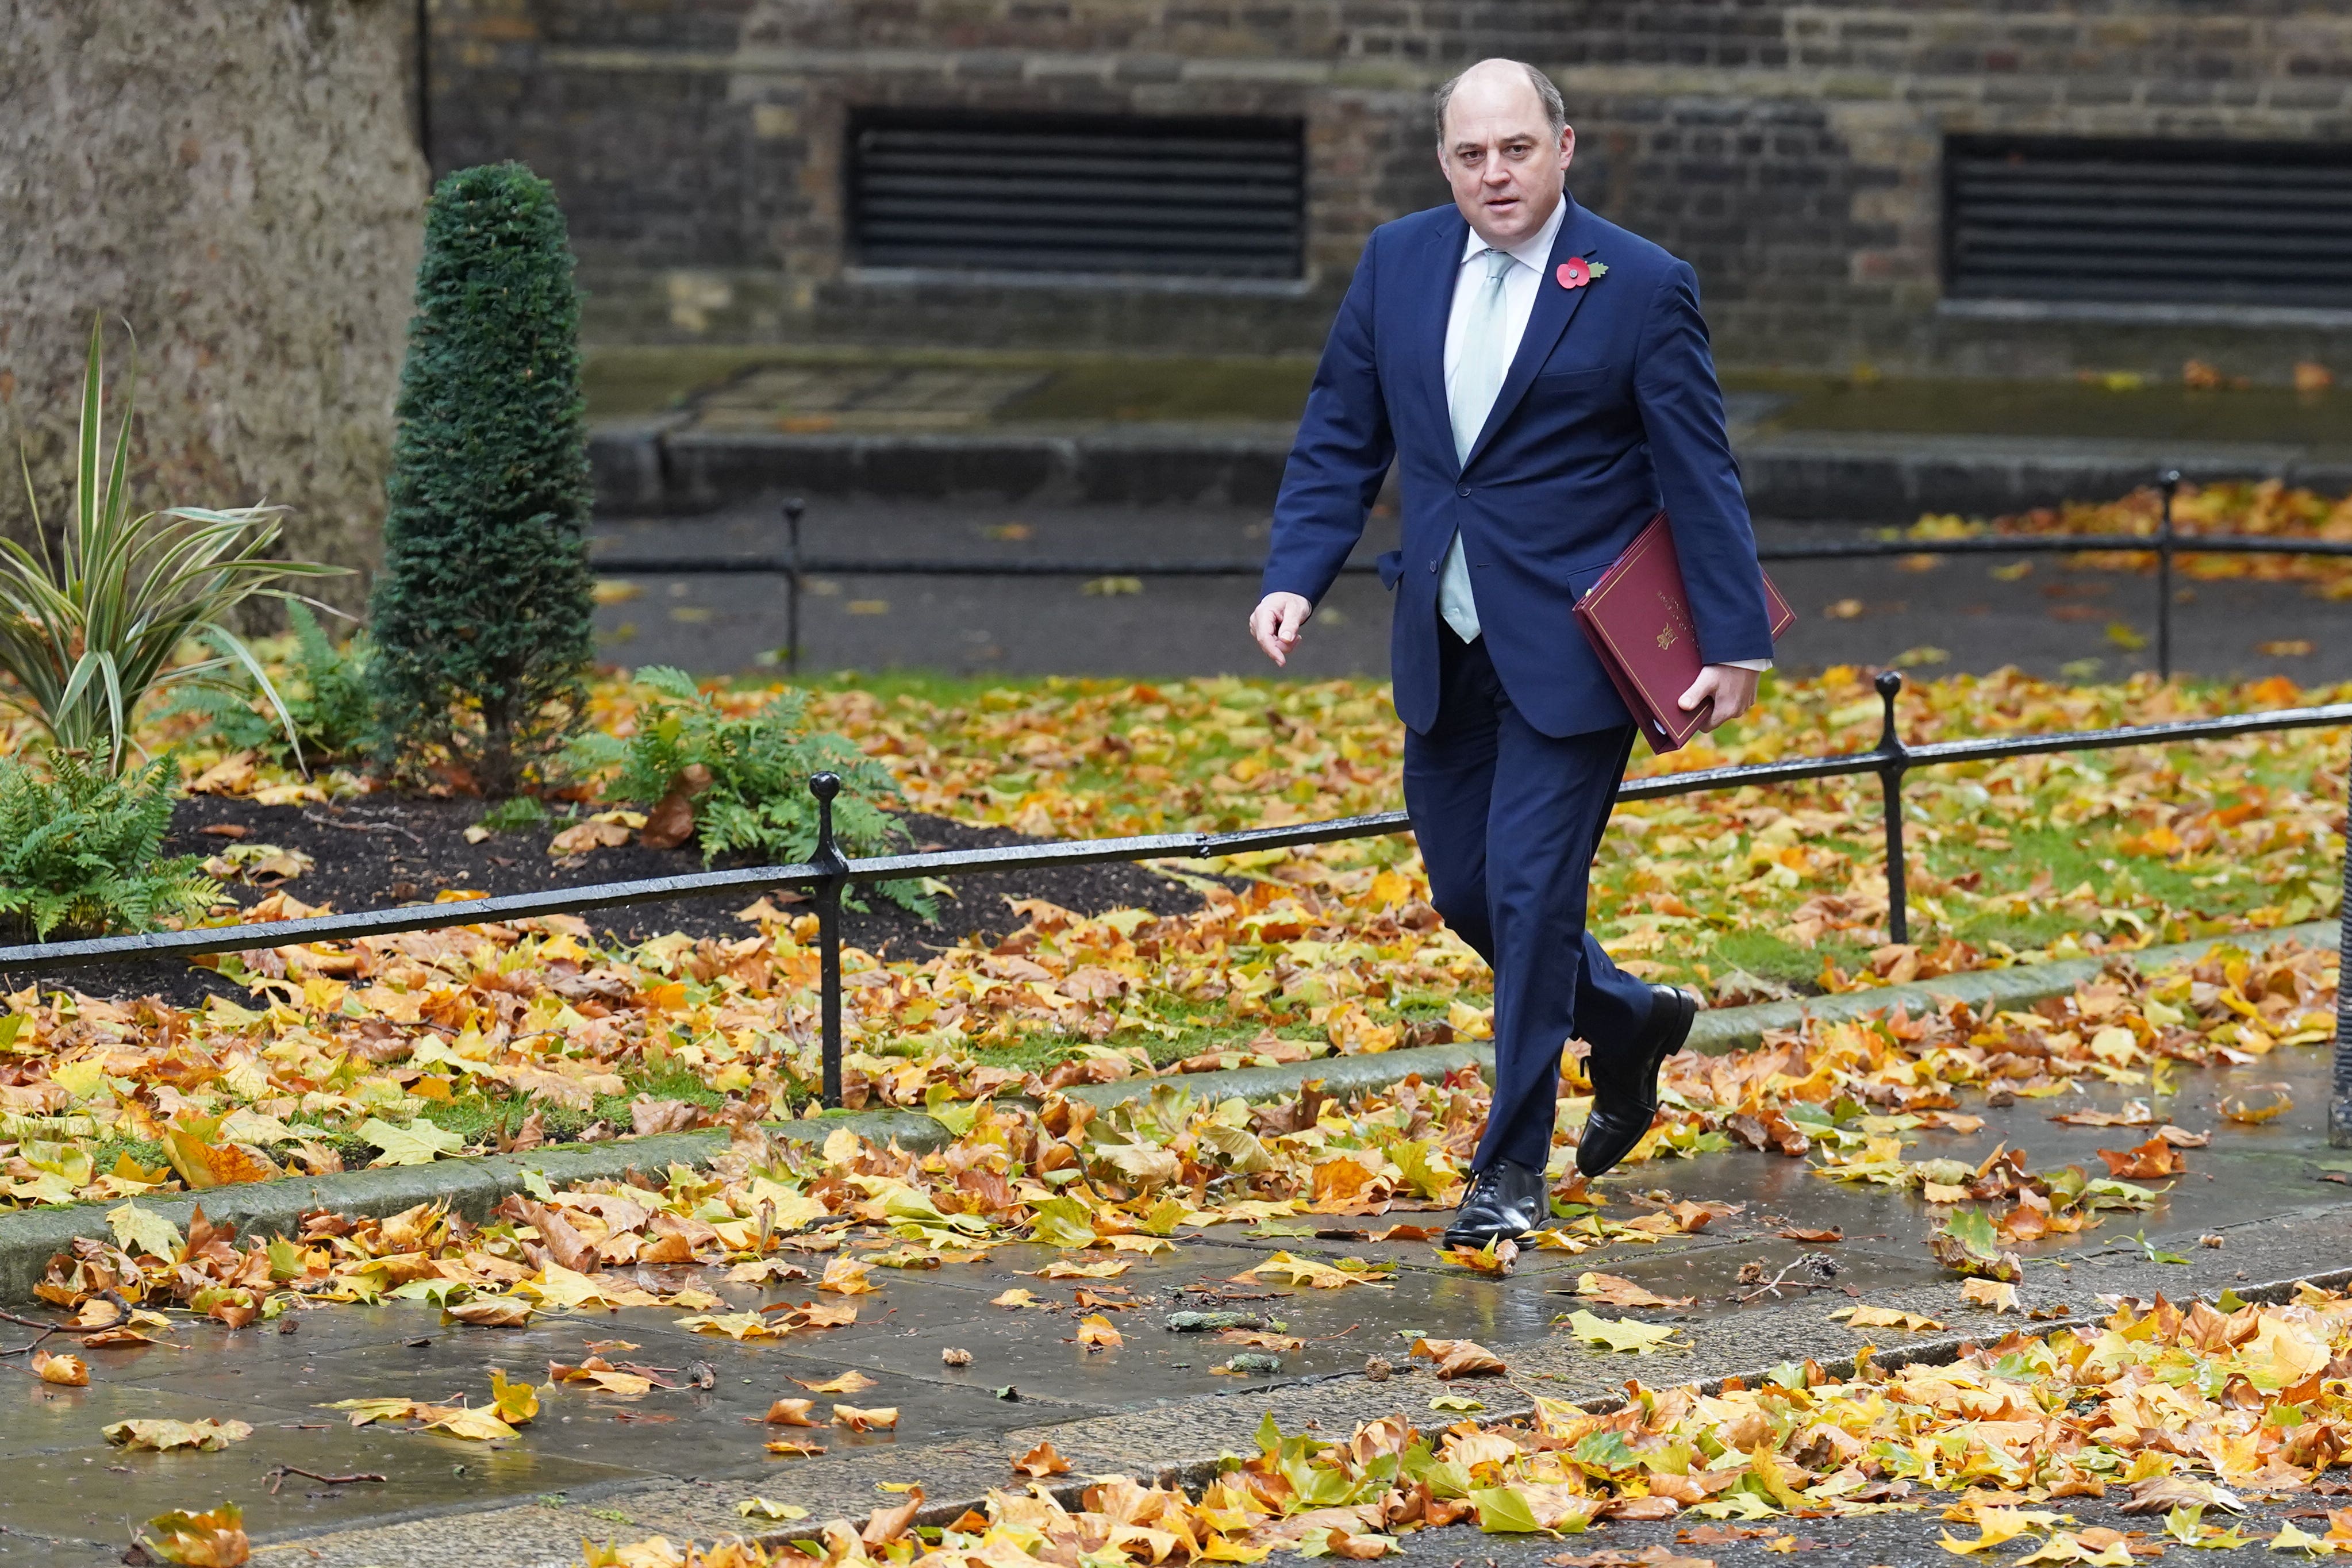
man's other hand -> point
(1726, 689)
(1278, 620)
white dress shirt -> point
(1531, 257)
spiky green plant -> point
(90, 632)
(324, 689)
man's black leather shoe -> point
(1504, 1202)
(1625, 1083)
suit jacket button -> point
(1433, 566)
(1461, 491)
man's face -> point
(1501, 158)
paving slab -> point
(681, 1461)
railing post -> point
(1893, 754)
(794, 507)
(2169, 482)
(827, 858)
(2339, 1102)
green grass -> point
(479, 1119)
(2072, 858)
(1769, 957)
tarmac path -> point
(1864, 611)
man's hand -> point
(1727, 689)
(1278, 620)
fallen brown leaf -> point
(1615, 1290)
(850, 1382)
(1042, 1461)
(1459, 1358)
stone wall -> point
(1789, 150)
(239, 184)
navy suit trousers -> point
(1509, 818)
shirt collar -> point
(1531, 252)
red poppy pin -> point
(1576, 272)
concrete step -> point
(667, 464)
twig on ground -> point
(278, 1474)
(48, 1329)
(33, 1344)
(364, 826)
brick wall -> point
(1789, 151)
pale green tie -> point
(1470, 397)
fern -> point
(758, 802)
(325, 693)
(79, 851)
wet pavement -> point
(678, 1461)
(1948, 619)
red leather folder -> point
(1638, 619)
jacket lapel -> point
(1444, 266)
(1555, 306)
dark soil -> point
(386, 850)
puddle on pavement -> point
(66, 1482)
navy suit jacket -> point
(1609, 411)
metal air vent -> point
(2242, 223)
(1047, 194)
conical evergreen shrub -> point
(481, 614)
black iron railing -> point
(828, 872)
(796, 566)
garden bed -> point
(379, 851)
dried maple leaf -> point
(1064, 1269)
(2162, 1494)
(213, 1539)
(470, 1422)
(1885, 1318)
(209, 1435)
(489, 1313)
(1317, 1275)
(1614, 1291)
(2157, 1157)
(1096, 1332)
(846, 1276)
(736, 1325)
(1494, 1258)
(885, 1525)
(822, 1315)
(1459, 1358)
(850, 1382)
(881, 1418)
(2247, 1111)
(799, 1445)
(792, 1413)
(65, 1370)
(602, 1376)
(1998, 1295)
(1042, 1461)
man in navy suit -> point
(1541, 380)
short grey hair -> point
(1555, 107)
